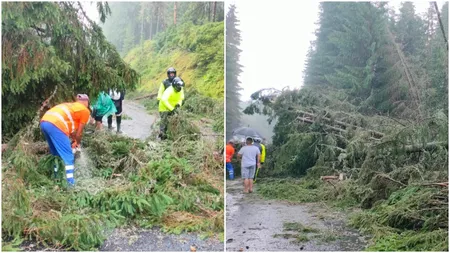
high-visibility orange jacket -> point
(229, 153)
(67, 116)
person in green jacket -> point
(103, 107)
(170, 101)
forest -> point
(373, 108)
(53, 50)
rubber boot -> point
(69, 174)
(231, 174)
(110, 123)
(118, 121)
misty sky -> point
(276, 36)
(91, 10)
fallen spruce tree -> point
(395, 169)
(121, 181)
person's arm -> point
(165, 98)
(79, 133)
(258, 157)
(122, 95)
(239, 155)
(83, 121)
(160, 91)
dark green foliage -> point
(130, 203)
(180, 126)
(413, 241)
(370, 109)
(118, 153)
(355, 52)
(414, 218)
(46, 48)
(177, 188)
(296, 191)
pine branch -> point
(45, 103)
(410, 79)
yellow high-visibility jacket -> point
(263, 153)
(170, 99)
(162, 88)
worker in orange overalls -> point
(229, 156)
(62, 122)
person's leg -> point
(247, 186)
(118, 115)
(64, 149)
(230, 171)
(45, 129)
(251, 176)
(109, 122)
(98, 122)
(244, 172)
(163, 124)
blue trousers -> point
(230, 170)
(59, 144)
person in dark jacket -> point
(117, 97)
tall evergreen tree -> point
(233, 70)
(46, 48)
(436, 62)
(410, 29)
(347, 48)
(132, 21)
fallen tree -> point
(383, 159)
(177, 187)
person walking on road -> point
(229, 156)
(251, 157)
(61, 123)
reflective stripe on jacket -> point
(67, 116)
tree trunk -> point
(174, 13)
(142, 25)
(341, 126)
(209, 11)
(214, 12)
(151, 24)
(413, 89)
(157, 20)
(441, 25)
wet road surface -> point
(255, 224)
